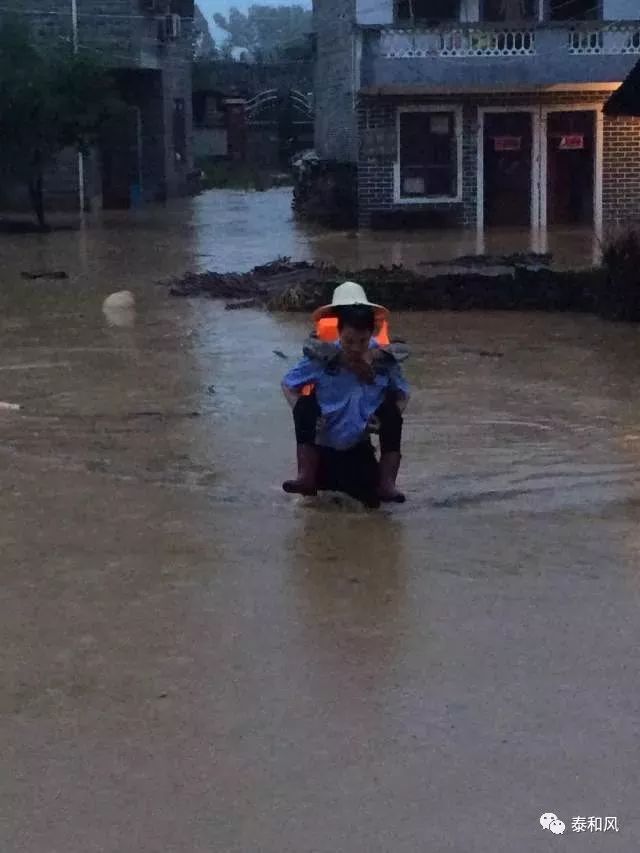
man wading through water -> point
(336, 391)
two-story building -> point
(148, 46)
(481, 112)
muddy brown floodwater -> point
(194, 662)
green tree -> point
(268, 32)
(49, 100)
(204, 46)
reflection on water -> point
(234, 231)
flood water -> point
(194, 661)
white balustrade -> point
(479, 41)
(417, 43)
(609, 39)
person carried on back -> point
(343, 389)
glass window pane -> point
(428, 155)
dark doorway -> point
(570, 167)
(507, 168)
(121, 150)
(428, 11)
(509, 11)
(574, 10)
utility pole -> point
(74, 29)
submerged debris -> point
(55, 275)
(258, 284)
(243, 303)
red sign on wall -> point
(507, 143)
(572, 142)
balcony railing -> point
(459, 41)
(610, 39)
(485, 40)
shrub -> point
(620, 299)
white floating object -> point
(122, 300)
(119, 309)
(9, 407)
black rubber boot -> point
(389, 467)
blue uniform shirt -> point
(345, 402)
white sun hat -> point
(350, 294)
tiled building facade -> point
(469, 120)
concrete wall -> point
(335, 81)
(177, 83)
(380, 12)
(210, 142)
(621, 10)
(61, 185)
(551, 64)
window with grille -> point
(428, 155)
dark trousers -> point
(307, 411)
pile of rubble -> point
(261, 284)
(516, 283)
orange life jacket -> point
(327, 332)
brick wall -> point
(621, 172)
(376, 157)
(335, 123)
(377, 132)
(378, 154)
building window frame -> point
(451, 109)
